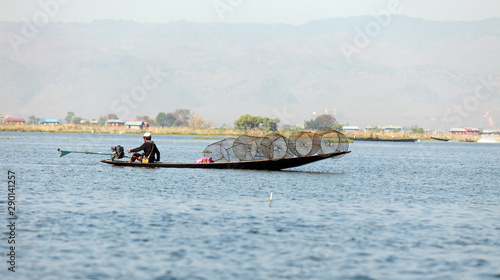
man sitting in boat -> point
(151, 152)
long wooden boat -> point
(439, 139)
(276, 164)
(384, 140)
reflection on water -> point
(424, 210)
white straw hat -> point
(147, 134)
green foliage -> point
(76, 120)
(250, 122)
(247, 122)
(102, 120)
(337, 126)
(179, 117)
(417, 129)
(33, 120)
(324, 120)
(146, 119)
(170, 120)
(182, 117)
(270, 124)
(69, 117)
(161, 119)
(112, 116)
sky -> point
(294, 12)
(241, 11)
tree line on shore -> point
(187, 118)
(187, 121)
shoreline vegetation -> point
(217, 131)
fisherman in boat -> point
(151, 152)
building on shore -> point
(386, 128)
(350, 128)
(465, 131)
(490, 132)
(115, 123)
(14, 121)
(391, 128)
(135, 125)
(49, 121)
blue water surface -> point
(424, 210)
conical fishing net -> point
(302, 144)
(327, 140)
(245, 147)
(215, 151)
(331, 141)
(259, 155)
(343, 143)
(227, 149)
(275, 146)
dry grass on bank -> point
(69, 128)
(208, 131)
(409, 135)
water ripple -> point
(385, 211)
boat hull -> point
(277, 164)
(439, 139)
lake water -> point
(424, 210)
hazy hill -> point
(411, 72)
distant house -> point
(465, 131)
(113, 123)
(458, 131)
(49, 121)
(350, 128)
(472, 131)
(94, 122)
(14, 121)
(390, 128)
(135, 125)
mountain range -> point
(404, 71)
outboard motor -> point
(118, 152)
